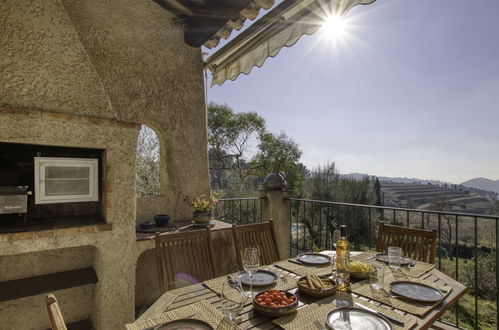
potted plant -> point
(203, 208)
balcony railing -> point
(466, 246)
(239, 210)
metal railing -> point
(239, 210)
(466, 246)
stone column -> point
(276, 208)
(115, 265)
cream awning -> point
(281, 27)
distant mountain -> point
(483, 183)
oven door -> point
(66, 180)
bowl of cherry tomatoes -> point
(275, 303)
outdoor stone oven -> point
(63, 186)
(106, 227)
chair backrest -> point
(261, 235)
(187, 255)
(417, 244)
(55, 315)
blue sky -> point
(411, 90)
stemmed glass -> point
(232, 298)
(251, 262)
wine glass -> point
(340, 275)
(232, 299)
(251, 262)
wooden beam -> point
(210, 18)
(35, 285)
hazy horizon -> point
(412, 90)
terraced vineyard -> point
(420, 196)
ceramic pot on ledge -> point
(202, 217)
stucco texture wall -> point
(122, 59)
(77, 62)
(42, 63)
(114, 258)
(152, 77)
(76, 303)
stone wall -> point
(76, 303)
(43, 64)
(113, 253)
(83, 73)
(112, 59)
(151, 77)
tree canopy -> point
(242, 152)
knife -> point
(295, 261)
(379, 313)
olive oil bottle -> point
(343, 259)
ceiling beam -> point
(210, 18)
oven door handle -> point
(13, 207)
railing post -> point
(275, 207)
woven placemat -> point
(364, 289)
(303, 269)
(201, 310)
(285, 283)
(159, 306)
(306, 317)
(419, 269)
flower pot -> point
(202, 217)
(161, 220)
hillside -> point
(420, 196)
(483, 183)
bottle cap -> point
(343, 230)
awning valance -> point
(282, 27)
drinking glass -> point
(251, 262)
(376, 277)
(232, 299)
(340, 276)
(394, 256)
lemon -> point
(359, 267)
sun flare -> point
(334, 26)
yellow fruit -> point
(359, 267)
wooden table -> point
(249, 319)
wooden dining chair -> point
(187, 255)
(417, 244)
(55, 315)
(261, 235)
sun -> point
(334, 26)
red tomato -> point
(268, 301)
